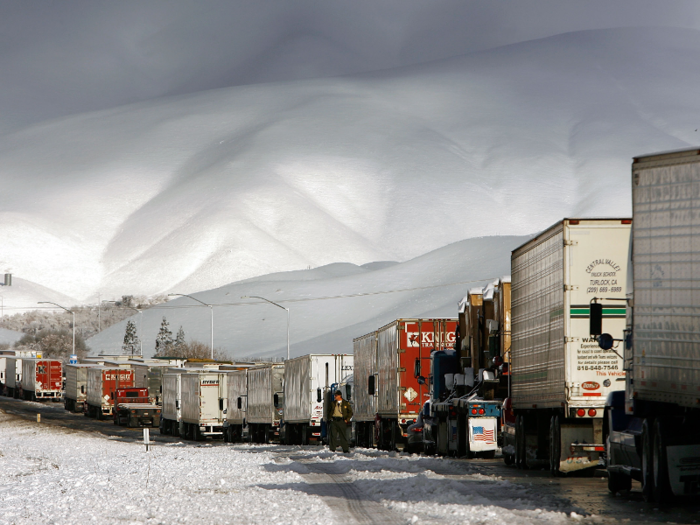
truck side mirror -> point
(416, 367)
(82, 389)
(348, 392)
(421, 380)
(240, 403)
(277, 400)
(319, 395)
(605, 341)
(596, 319)
(177, 404)
(221, 404)
(370, 385)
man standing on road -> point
(339, 416)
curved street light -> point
(278, 306)
(211, 308)
(70, 312)
(140, 321)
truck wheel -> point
(647, 462)
(618, 482)
(662, 485)
(554, 445)
(519, 442)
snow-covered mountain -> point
(196, 191)
(25, 295)
(328, 306)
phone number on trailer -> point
(598, 367)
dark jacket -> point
(345, 409)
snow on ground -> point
(56, 476)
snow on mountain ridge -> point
(328, 309)
(197, 191)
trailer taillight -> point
(592, 412)
(626, 221)
(473, 411)
(580, 412)
(482, 411)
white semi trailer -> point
(560, 377)
(13, 376)
(306, 380)
(653, 425)
(237, 388)
(203, 402)
(172, 394)
(265, 402)
(75, 395)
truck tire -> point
(617, 482)
(647, 462)
(554, 445)
(519, 442)
(662, 486)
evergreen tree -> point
(180, 341)
(131, 339)
(164, 341)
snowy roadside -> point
(54, 475)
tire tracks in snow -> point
(342, 496)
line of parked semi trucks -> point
(587, 356)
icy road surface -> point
(54, 474)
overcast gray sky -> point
(64, 57)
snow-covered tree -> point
(131, 339)
(180, 340)
(164, 340)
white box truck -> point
(265, 402)
(560, 377)
(237, 386)
(653, 425)
(306, 380)
(202, 404)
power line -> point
(163, 306)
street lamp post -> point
(278, 306)
(211, 309)
(67, 310)
(140, 322)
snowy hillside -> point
(193, 192)
(23, 295)
(321, 321)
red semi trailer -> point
(391, 369)
(102, 382)
(41, 379)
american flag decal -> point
(482, 435)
